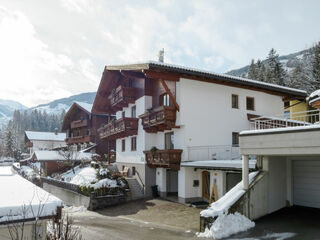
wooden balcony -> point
(78, 139)
(159, 119)
(122, 96)
(170, 158)
(79, 123)
(120, 128)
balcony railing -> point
(79, 139)
(159, 119)
(296, 119)
(122, 96)
(170, 158)
(79, 123)
(217, 152)
(120, 128)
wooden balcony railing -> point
(122, 96)
(120, 128)
(159, 119)
(79, 139)
(79, 123)
(170, 158)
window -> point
(123, 114)
(134, 144)
(250, 103)
(235, 139)
(133, 171)
(165, 100)
(123, 145)
(133, 112)
(235, 101)
(169, 140)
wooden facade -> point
(120, 128)
(82, 126)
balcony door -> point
(206, 185)
(169, 140)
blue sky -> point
(55, 48)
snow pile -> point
(226, 225)
(103, 171)
(223, 204)
(27, 171)
(106, 182)
(81, 176)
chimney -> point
(56, 131)
(161, 55)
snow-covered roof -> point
(45, 136)
(46, 156)
(18, 194)
(85, 106)
(209, 74)
(314, 100)
(234, 164)
(283, 129)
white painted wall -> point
(206, 115)
(45, 145)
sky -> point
(57, 48)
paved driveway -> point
(289, 223)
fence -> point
(218, 152)
(61, 184)
(297, 119)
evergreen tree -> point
(252, 73)
(275, 72)
(9, 150)
(316, 66)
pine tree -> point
(252, 73)
(316, 66)
(275, 72)
(9, 150)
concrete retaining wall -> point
(69, 197)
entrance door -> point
(206, 185)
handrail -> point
(143, 186)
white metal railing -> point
(296, 119)
(218, 152)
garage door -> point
(306, 183)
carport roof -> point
(219, 164)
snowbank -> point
(87, 177)
(73, 209)
(226, 225)
(222, 206)
(27, 171)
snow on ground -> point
(226, 225)
(73, 209)
(18, 194)
(86, 176)
(82, 176)
(222, 206)
(27, 171)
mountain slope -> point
(57, 106)
(7, 108)
(289, 61)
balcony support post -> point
(245, 172)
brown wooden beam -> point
(162, 75)
(173, 99)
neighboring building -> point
(44, 140)
(58, 161)
(178, 128)
(81, 127)
(25, 206)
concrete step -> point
(135, 188)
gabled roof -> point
(153, 69)
(45, 136)
(86, 107)
(152, 65)
(17, 192)
(47, 156)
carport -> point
(290, 157)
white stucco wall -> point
(46, 145)
(207, 118)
